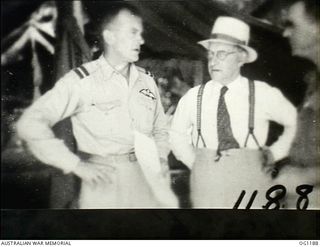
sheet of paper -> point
(148, 158)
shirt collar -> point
(108, 70)
(232, 85)
(133, 74)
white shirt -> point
(105, 110)
(270, 104)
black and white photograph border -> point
(44, 42)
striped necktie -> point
(225, 135)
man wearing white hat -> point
(220, 128)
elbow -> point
(27, 127)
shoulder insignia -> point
(81, 71)
(150, 74)
(145, 71)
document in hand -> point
(148, 158)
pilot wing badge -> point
(148, 93)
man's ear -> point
(242, 57)
(108, 37)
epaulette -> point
(147, 72)
(150, 74)
(81, 71)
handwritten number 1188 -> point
(279, 193)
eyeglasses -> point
(221, 55)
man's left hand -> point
(268, 161)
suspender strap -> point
(251, 114)
(251, 105)
(199, 109)
(78, 73)
(84, 70)
(81, 71)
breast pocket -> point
(101, 118)
(107, 108)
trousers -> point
(219, 184)
(129, 188)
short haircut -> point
(312, 8)
(113, 10)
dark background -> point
(170, 32)
(159, 224)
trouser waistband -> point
(118, 158)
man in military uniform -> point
(107, 100)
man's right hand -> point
(94, 173)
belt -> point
(131, 157)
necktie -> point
(225, 135)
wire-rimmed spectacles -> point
(221, 55)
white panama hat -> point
(232, 31)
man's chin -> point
(216, 79)
(299, 52)
(134, 59)
(215, 76)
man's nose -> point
(141, 40)
(286, 33)
(214, 60)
